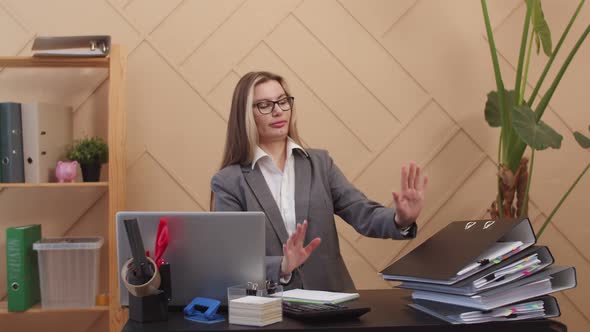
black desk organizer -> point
(153, 308)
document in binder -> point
(541, 307)
(549, 280)
(462, 249)
(72, 46)
(521, 265)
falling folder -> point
(519, 266)
(462, 249)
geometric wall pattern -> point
(378, 83)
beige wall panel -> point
(148, 14)
(451, 60)
(424, 137)
(565, 254)
(547, 187)
(319, 126)
(334, 83)
(73, 17)
(191, 24)
(572, 217)
(377, 16)
(345, 231)
(177, 127)
(161, 193)
(351, 43)
(90, 119)
(447, 172)
(70, 86)
(220, 98)
(499, 11)
(207, 66)
(470, 201)
(570, 314)
(11, 42)
(95, 222)
(363, 274)
(569, 94)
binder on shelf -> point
(549, 280)
(542, 307)
(22, 269)
(483, 244)
(47, 132)
(521, 265)
(11, 143)
(72, 46)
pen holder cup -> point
(154, 307)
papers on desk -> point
(255, 311)
(314, 296)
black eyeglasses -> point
(266, 106)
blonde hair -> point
(242, 133)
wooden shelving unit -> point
(54, 185)
(116, 64)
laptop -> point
(207, 252)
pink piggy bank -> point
(66, 171)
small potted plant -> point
(90, 153)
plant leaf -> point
(537, 135)
(582, 140)
(541, 28)
(492, 109)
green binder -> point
(22, 269)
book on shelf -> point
(22, 269)
(47, 133)
(72, 46)
(11, 143)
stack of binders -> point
(255, 310)
(482, 271)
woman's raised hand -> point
(294, 253)
(410, 200)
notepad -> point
(315, 296)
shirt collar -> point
(291, 145)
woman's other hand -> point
(410, 199)
(294, 253)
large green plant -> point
(519, 118)
(93, 150)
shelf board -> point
(29, 61)
(37, 309)
(54, 185)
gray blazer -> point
(321, 190)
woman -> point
(265, 169)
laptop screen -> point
(208, 251)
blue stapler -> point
(203, 310)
